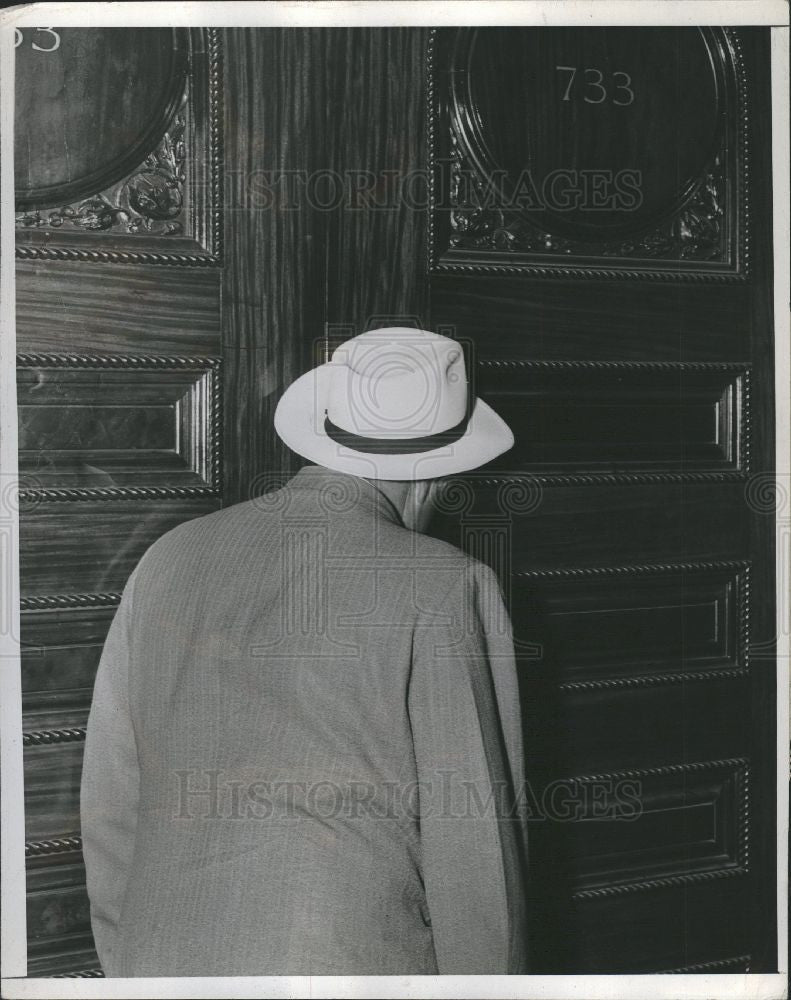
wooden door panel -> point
(48, 118)
(52, 786)
(684, 828)
(61, 649)
(156, 191)
(702, 924)
(151, 356)
(639, 627)
(109, 423)
(509, 317)
(120, 399)
(627, 524)
(58, 918)
(694, 721)
(609, 418)
(88, 547)
(603, 177)
(633, 369)
(144, 315)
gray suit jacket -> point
(302, 750)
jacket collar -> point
(342, 492)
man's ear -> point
(420, 490)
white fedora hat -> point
(391, 404)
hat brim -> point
(299, 420)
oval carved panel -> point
(590, 152)
(90, 106)
(596, 133)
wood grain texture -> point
(308, 216)
(584, 526)
(271, 301)
(79, 308)
(57, 904)
(86, 547)
(593, 320)
(376, 143)
(116, 427)
(80, 124)
(147, 414)
(52, 790)
(59, 932)
(60, 652)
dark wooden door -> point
(589, 213)
(161, 315)
(600, 235)
(119, 387)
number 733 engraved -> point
(620, 92)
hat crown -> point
(399, 383)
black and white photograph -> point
(395, 499)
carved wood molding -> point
(666, 882)
(607, 478)
(614, 478)
(168, 210)
(34, 496)
(739, 963)
(46, 737)
(157, 57)
(67, 844)
(69, 602)
(633, 569)
(82, 974)
(109, 256)
(660, 770)
(650, 366)
(209, 393)
(151, 200)
(140, 361)
(652, 680)
(478, 238)
(741, 768)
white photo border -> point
(382, 13)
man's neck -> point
(397, 492)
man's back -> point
(313, 696)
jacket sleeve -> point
(110, 785)
(466, 727)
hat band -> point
(393, 446)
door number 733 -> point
(620, 87)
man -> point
(305, 741)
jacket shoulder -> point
(199, 534)
(452, 576)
